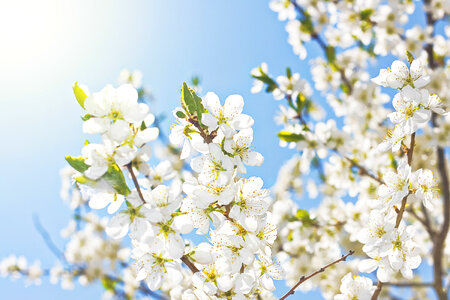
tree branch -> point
(324, 47)
(184, 259)
(409, 154)
(189, 264)
(439, 239)
(363, 170)
(425, 222)
(410, 284)
(377, 291)
(303, 278)
(136, 183)
(48, 239)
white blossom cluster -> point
(388, 241)
(374, 24)
(232, 211)
(199, 229)
(361, 185)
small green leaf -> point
(290, 137)
(180, 114)
(195, 80)
(77, 163)
(79, 94)
(108, 283)
(410, 57)
(394, 163)
(330, 53)
(306, 24)
(366, 13)
(86, 117)
(143, 126)
(271, 84)
(115, 178)
(303, 215)
(288, 73)
(191, 102)
(141, 93)
(84, 180)
(345, 89)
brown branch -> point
(410, 284)
(48, 239)
(409, 154)
(377, 291)
(184, 258)
(425, 222)
(208, 138)
(136, 184)
(440, 237)
(363, 170)
(315, 36)
(303, 278)
(189, 264)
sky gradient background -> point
(47, 45)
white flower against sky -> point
(228, 117)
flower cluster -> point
(231, 209)
(387, 240)
(199, 229)
(346, 153)
(165, 205)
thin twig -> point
(439, 239)
(136, 183)
(184, 259)
(410, 284)
(424, 221)
(409, 154)
(303, 278)
(402, 208)
(377, 291)
(363, 170)
(324, 47)
(48, 239)
(189, 264)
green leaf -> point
(271, 84)
(191, 102)
(77, 163)
(306, 25)
(180, 114)
(79, 94)
(330, 53)
(366, 13)
(195, 80)
(115, 178)
(86, 117)
(409, 56)
(143, 126)
(303, 215)
(84, 180)
(345, 88)
(108, 283)
(141, 93)
(394, 163)
(288, 73)
(290, 137)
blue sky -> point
(49, 44)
